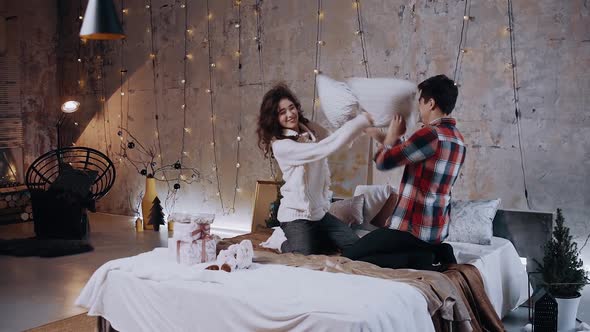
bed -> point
(150, 292)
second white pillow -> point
(384, 97)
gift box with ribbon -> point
(192, 242)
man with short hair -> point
(433, 157)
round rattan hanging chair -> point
(45, 169)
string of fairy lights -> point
(515, 88)
(511, 65)
(147, 163)
(238, 55)
(154, 62)
(318, 49)
(122, 72)
(258, 40)
(212, 66)
(80, 60)
(461, 48)
(361, 33)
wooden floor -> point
(35, 291)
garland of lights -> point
(462, 51)
(212, 66)
(361, 33)
(154, 62)
(318, 44)
(515, 88)
(258, 40)
(238, 54)
(122, 72)
(461, 48)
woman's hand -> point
(397, 127)
(376, 134)
(369, 117)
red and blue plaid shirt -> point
(433, 157)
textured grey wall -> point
(408, 39)
(36, 29)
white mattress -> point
(150, 292)
(504, 276)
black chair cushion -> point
(74, 181)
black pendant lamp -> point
(101, 21)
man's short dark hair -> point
(442, 90)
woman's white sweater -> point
(303, 162)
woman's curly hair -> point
(269, 127)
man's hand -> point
(376, 134)
(397, 127)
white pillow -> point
(383, 97)
(472, 221)
(350, 210)
(336, 100)
(375, 198)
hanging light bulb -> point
(467, 18)
(321, 42)
(238, 138)
(213, 65)
(237, 25)
(316, 71)
(238, 165)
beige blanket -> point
(439, 291)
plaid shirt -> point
(433, 157)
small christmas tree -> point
(156, 217)
(562, 264)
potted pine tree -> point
(563, 274)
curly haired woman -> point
(301, 149)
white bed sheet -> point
(150, 292)
(503, 274)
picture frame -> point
(266, 193)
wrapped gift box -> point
(194, 252)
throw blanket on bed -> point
(457, 296)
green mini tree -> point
(562, 264)
(156, 217)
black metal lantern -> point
(545, 312)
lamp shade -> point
(101, 21)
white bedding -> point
(504, 276)
(150, 292)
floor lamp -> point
(68, 107)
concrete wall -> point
(404, 39)
(33, 28)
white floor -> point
(35, 291)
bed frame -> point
(527, 230)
